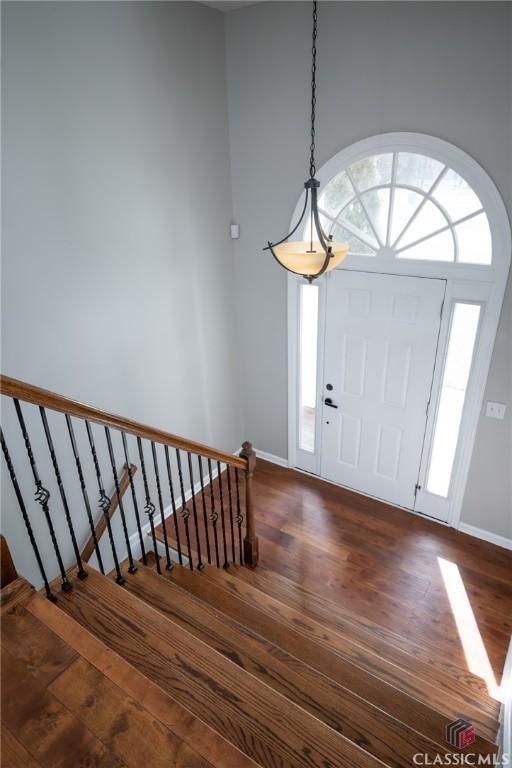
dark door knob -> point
(329, 402)
(329, 387)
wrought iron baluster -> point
(82, 573)
(239, 517)
(83, 487)
(173, 503)
(200, 564)
(205, 516)
(185, 512)
(213, 515)
(134, 498)
(149, 507)
(132, 567)
(222, 519)
(231, 525)
(104, 504)
(26, 519)
(42, 496)
(169, 565)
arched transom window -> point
(406, 205)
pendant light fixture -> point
(310, 258)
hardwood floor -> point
(382, 562)
(341, 650)
(68, 701)
(282, 692)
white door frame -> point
(475, 283)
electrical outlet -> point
(495, 410)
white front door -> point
(380, 349)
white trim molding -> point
(271, 458)
(470, 530)
(480, 533)
(168, 512)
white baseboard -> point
(168, 512)
(272, 458)
(471, 530)
(480, 533)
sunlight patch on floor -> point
(470, 637)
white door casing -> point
(380, 348)
(466, 280)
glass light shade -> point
(297, 256)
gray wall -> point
(117, 264)
(118, 284)
(488, 498)
(435, 68)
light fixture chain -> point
(323, 254)
(312, 167)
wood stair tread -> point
(17, 591)
(388, 739)
(14, 754)
(38, 722)
(102, 711)
(427, 660)
(446, 695)
(272, 620)
(458, 694)
(212, 672)
(426, 664)
(261, 722)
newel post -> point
(250, 540)
(7, 564)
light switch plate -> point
(495, 410)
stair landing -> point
(69, 701)
(313, 660)
(195, 670)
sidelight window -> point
(308, 366)
(459, 358)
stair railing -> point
(206, 492)
(97, 532)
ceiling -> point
(230, 5)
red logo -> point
(460, 734)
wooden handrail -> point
(38, 396)
(124, 484)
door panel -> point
(380, 348)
